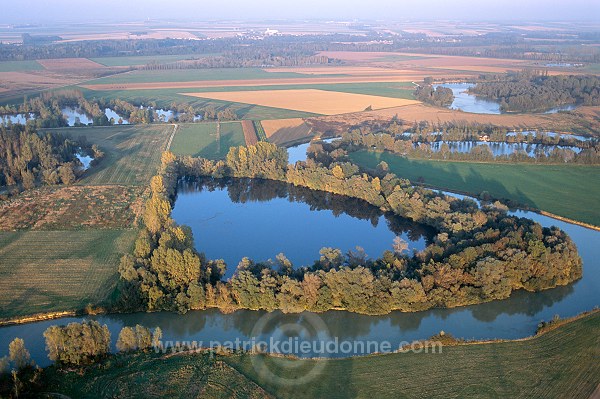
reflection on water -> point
(515, 317)
(234, 218)
(14, 119)
(499, 148)
(298, 152)
(469, 103)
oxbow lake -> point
(470, 103)
(515, 317)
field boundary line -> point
(175, 127)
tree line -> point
(549, 149)
(75, 345)
(29, 158)
(47, 110)
(534, 91)
(478, 254)
(439, 96)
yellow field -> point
(309, 100)
(272, 126)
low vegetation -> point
(574, 189)
(206, 140)
(530, 91)
(77, 233)
(52, 271)
(552, 365)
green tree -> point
(18, 354)
(67, 176)
(127, 340)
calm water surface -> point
(237, 218)
(515, 317)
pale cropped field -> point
(308, 100)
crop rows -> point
(42, 271)
(260, 131)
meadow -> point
(187, 75)
(18, 66)
(200, 139)
(132, 153)
(146, 59)
(560, 363)
(149, 375)
(571, 191)
(51, 271)
(557, 364)
(65, 252)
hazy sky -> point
(47, 11)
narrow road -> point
(175, 127)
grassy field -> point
(72, 208)
(19, 66)
(558, 364)
(67, 253)
(132, 152)
(200, 139)
(148, 375)
(570, 191)
(185, 75)
(48, 271)
(165, 97)
(146, 59)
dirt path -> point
(249, 132)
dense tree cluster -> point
(478, 254)
(440, 96)
(548, 149)
(529, 91)
(77, 343)
(460, 131)
(138, 338)
(46, 111)
(28, 158)
(165, 271)
(290, 50)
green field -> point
(49, 271)
(592, 68)
(570, 191)
(20, 66)
(165, 97)
(143, 375)
(132, 152)
(559, 364)
(70, 267)
(146, 59)
(200, 139)
(562, 363)
(189, 75)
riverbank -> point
(558, 362)
(569, 191)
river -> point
(323, 217)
